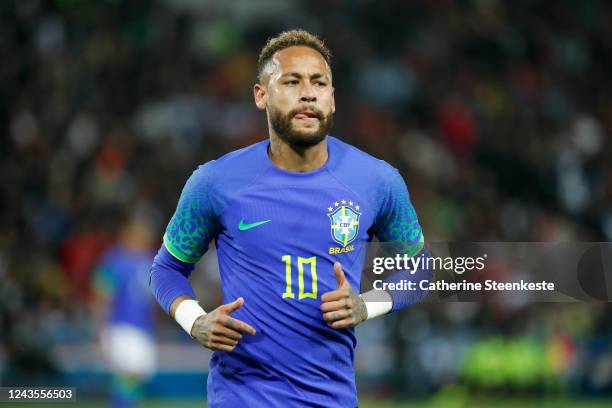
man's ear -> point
(261, 96)
(333, 104)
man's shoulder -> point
(233, 170)
(352, 161)
(237, 159)
(243, 160)
(250, 153)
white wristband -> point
(376, 309)
(378, 302)
(187, 312)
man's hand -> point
(343, 307)
(218, 331)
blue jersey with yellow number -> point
(278, 234)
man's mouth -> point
(306, 115)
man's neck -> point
(295, 158)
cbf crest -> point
(344, 218)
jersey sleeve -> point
(195, 221)
(398, 228)
(396, 221)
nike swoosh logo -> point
(244, 227)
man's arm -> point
(380, 302)
(169, 280)
(175, 303)
(344, 307)
(192, 227)
(216, 330)
(398, 229)
(399, 232)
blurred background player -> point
(122, 307)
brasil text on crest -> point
(344, 224)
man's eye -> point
(292, 82)
(320, 83)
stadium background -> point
(498, 114)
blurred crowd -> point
(497, 113)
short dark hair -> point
(288, 39)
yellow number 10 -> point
(313, 272)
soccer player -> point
(291, 217)
(123, 311)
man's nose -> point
(308, 94)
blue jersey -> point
(123, 275)
(278, 234)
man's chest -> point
(297, 219)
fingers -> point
(334, 295)
(238, 325)
(343, 286)
(219, 340)
(343, 303)
(336, 315)
(342, 324)
(342, 307)
(219, 331)
(235, 305)
(339, 273)
(223, 338)
(222, 347)
(338, 310)
(229, 333)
